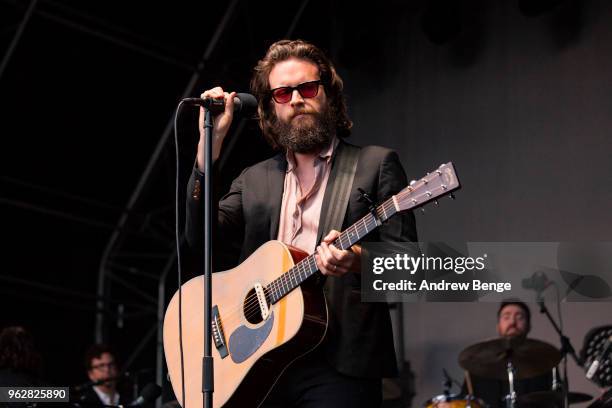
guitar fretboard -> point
(291, 279)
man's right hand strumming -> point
(221, 125)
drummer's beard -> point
(513, 331)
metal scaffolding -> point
(140, 252)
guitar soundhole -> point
(251, 309)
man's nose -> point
(296, 98)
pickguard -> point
(244, 341)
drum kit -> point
(511, 359)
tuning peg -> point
(436, 202)
(452, 196)
(413, 182)
(423, 210)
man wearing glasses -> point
(102, 372)
(303, 115)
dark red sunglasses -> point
(308, 89)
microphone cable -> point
(178, 251)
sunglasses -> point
(308, 89)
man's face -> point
(512, 322)
(102, 368)
(293, 72)
(302, 124)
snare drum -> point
(454, 401)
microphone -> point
(88, 384)
(538, 282)
(149, 393)
(79, 388)
(244, 104)
(594, 366)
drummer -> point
(513, 320)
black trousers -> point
(311, 382)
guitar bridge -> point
(263, 302)
(218, 334)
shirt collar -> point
(106, 398)
(325, 154)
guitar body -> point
(255, 351)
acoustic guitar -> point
(266, 312)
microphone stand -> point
(94, 404)
(566, 347)
(207, 361)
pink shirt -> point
(300, 212)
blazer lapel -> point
(276, 183)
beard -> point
(308, 133)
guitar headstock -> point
(438, 183)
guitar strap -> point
(337, 195)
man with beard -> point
(513, 321)
(302, 113)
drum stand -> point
(470, 396)
(566, 348)
(511, 397)
(469, 399)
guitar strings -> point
(284, 283)
(251, 302)
(250, 306)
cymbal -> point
(530, 357)
(552, 399)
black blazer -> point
(359, 339)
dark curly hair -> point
(96, 351)
(17, 351)
(299, 49)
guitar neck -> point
(294, 277)
(436, 184)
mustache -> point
(303, 112)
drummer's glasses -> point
(102, 366)
(308, 89)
